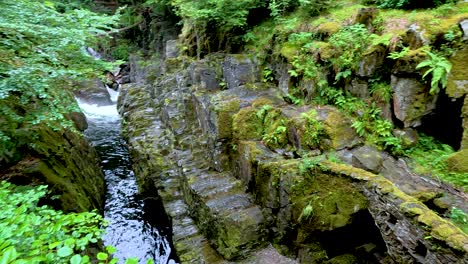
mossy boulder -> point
(247, 125)
(333, 201)
(458, 161)
(411, 100)
(338, 129)
(261, 121)
(224, 109)
(457, 84)
(66, 162)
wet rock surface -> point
(219, 160)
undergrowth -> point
(429, 157)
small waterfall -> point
(130, 227)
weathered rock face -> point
(240, 70)
(93, 92)
(411, 101)
(457, 87)
(63, 160)
(226, 164)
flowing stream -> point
(131, 219)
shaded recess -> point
(361, 238)
(445, 122)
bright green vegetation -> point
(430, 157)
(439, 67)
(460, 218)
(42, 51)
(32, 233)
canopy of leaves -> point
(42, 51)
(224, 13)
(37, 234)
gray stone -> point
(415, 37)
(372, 61)
(93, 92)
(172, 50)
(79, 120)
(205, 76)
(239, 70)
(464, 27)
(411, 100)
(365, 16)
(409, 136)
(358, 88)
(368, 158)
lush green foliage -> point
(460, 218)
(314, 130)
(429, 157)
(41, 51)
(225, 14)
(30, 233)
(439, 67)
(409, 4)
(350, 42)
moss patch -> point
(458, 161)
(457, 84)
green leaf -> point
(111, 249)
(131, 261)
(76, 259)
(102, 256)
(64, 251)
(54, 245)
(9, 255)
(424, 64)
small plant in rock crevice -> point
(439, 68)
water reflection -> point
(131, 230)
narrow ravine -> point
(131, 226)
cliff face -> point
(292, 145)
(237, 169)
(60, 158)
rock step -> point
(191, 245)
(224, 212)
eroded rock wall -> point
(62, 159)
(234, 165)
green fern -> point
(439, 67)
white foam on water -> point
(114, 95)
(96, 112)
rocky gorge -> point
(339, 136)
(232, 163)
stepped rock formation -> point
(216, 144)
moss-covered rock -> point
(457, 84)
(458, 161)
(66, 162)
(247, 125)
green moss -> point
(275, 131)
(339, 131)
(457, 84)
(343, 259)
(225, 110)
(412, 208)
(289, 51)
(333, 199)
(458, 161)
(259, 102)
(325, 49)
(310, 131)
(247, 125)
(328, 28)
